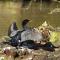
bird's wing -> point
(12, 29)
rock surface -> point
(30, 54)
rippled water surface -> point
(36, 12)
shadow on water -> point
(25, 3)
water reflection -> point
(13, 11)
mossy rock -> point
(55, 38)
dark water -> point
(36, 12)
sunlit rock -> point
(2, 58)
(56, 10)
(42, 27)
(46, 25)
(24, 51)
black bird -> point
(12, 28)
(25, 23)
(15, 34)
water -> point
(37, 13)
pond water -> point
(36, 12)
